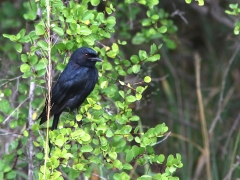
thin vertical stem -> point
(202, 117)
(49, 82)
(30, 138)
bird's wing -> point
(73, 86)
(71, 79)
(72, 82)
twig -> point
(202, 117)
(162, 139)
(234, 166)
(219, 16)
(99, 176)
(9, 80)
(179, 13)
(234, 126)
(15, 110)
(220, 102)
(30, 138)
(187, 140)
(5, 132)
(49, 84)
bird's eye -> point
(86, 55)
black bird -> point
(75, 83)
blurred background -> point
(202, 121)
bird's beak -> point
(96, 59)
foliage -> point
(138, 97)
(110, 135)
(236, 12)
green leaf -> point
(95, 2)
(25, 133)
(58, 30)
(138, 96)
(11, 37)
(84, 30)
(160, 158)
(122, 176)
(104, 84)
(86, 148)
(88, 15)
(142, 55)
(162, 29)
(117, 164)
(59, 142)
(40, 65)
(122, 93)
(129, 156)
(86, 137)
(136, 68)
(153, 49)
(111, 21)
(140, 89)
(107, 66)
(33, 59)
(112, 155)
(127, 166)
(89, 39)
(134, 59)
(109, 133)
(41, 72)
(42, 44)
(103, 141)
(131, 98)
(32, 15)
(200, 2)
(115, 47)
(97, 107)
(146, 177)
(18, 47)
(39, 29)
(125, 129)
(134, 118)
(79, 117)
(147, 79)
(7, 92)
(24, 57)
(111, 54)
(154, 58)
(11, 175)
(25, 68)
(4, 106)
(146, 22)
(138, 39)
(155, 17)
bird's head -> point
(85, 56)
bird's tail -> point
(55, 121)
(43, 116)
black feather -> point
(74, 84)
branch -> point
(49, 83)
(15, 110)
(206, 152)
(220, 102)
(30, 138)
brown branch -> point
(206, 153)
